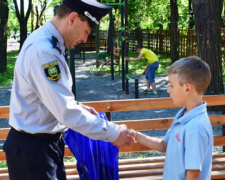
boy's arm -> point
(150, 142)
(135, 59)
(193, 174)
(146, 68)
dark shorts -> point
(34, 158)
(150, 74)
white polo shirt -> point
(189, 145)
(42, 100)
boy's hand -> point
(125, 137)
(127, 59)
(133, 133)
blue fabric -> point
(96, 159)
(150, 74)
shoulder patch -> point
(52, 71)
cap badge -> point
(91, 17)
(52, 71)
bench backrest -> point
(139, 124)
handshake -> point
(126, 137)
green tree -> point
(208, 35)
(37, 13)
(174, 32)
(191, 15)
(22, 18)
(13, 25)
(4, 12)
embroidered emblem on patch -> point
(52, 71)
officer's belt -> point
(55, 136)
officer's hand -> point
(133, 133)
(125, 137)
(90, 109)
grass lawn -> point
(7, 77)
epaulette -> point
(55, 44)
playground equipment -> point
(135, 86)
(124, 48)
(104, 62)
(124, 37)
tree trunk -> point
(32, 18)
(22, 18)
(208, 36)
(4, 13)
(111, 34)
(23, 32)
(191, 15)
(174, 33)
(97, 45)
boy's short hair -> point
(139, 46)
(192, 70)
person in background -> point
(189, 141)
(42, 104)
(150, 69)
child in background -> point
(151, 66)
(189, 141)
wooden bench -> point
(140, 168)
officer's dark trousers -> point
(34, 158)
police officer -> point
(42, 104)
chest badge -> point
(52, 71)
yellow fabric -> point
(149, 55)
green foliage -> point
(3, 164)
(69, 159)
(13, 24)
(140, 155)
(154, 14)
(137, 67)
(7, 77)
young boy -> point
(151, 66)
(189, 141)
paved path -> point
(13, 44)
(102, 87)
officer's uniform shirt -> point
(41, 99)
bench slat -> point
(140, 173)
(142, 166)
(163, 123)
(218, 175)
(144, 178)
(4, 112)
(142, 160)
(146, 104)
(135, 104)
